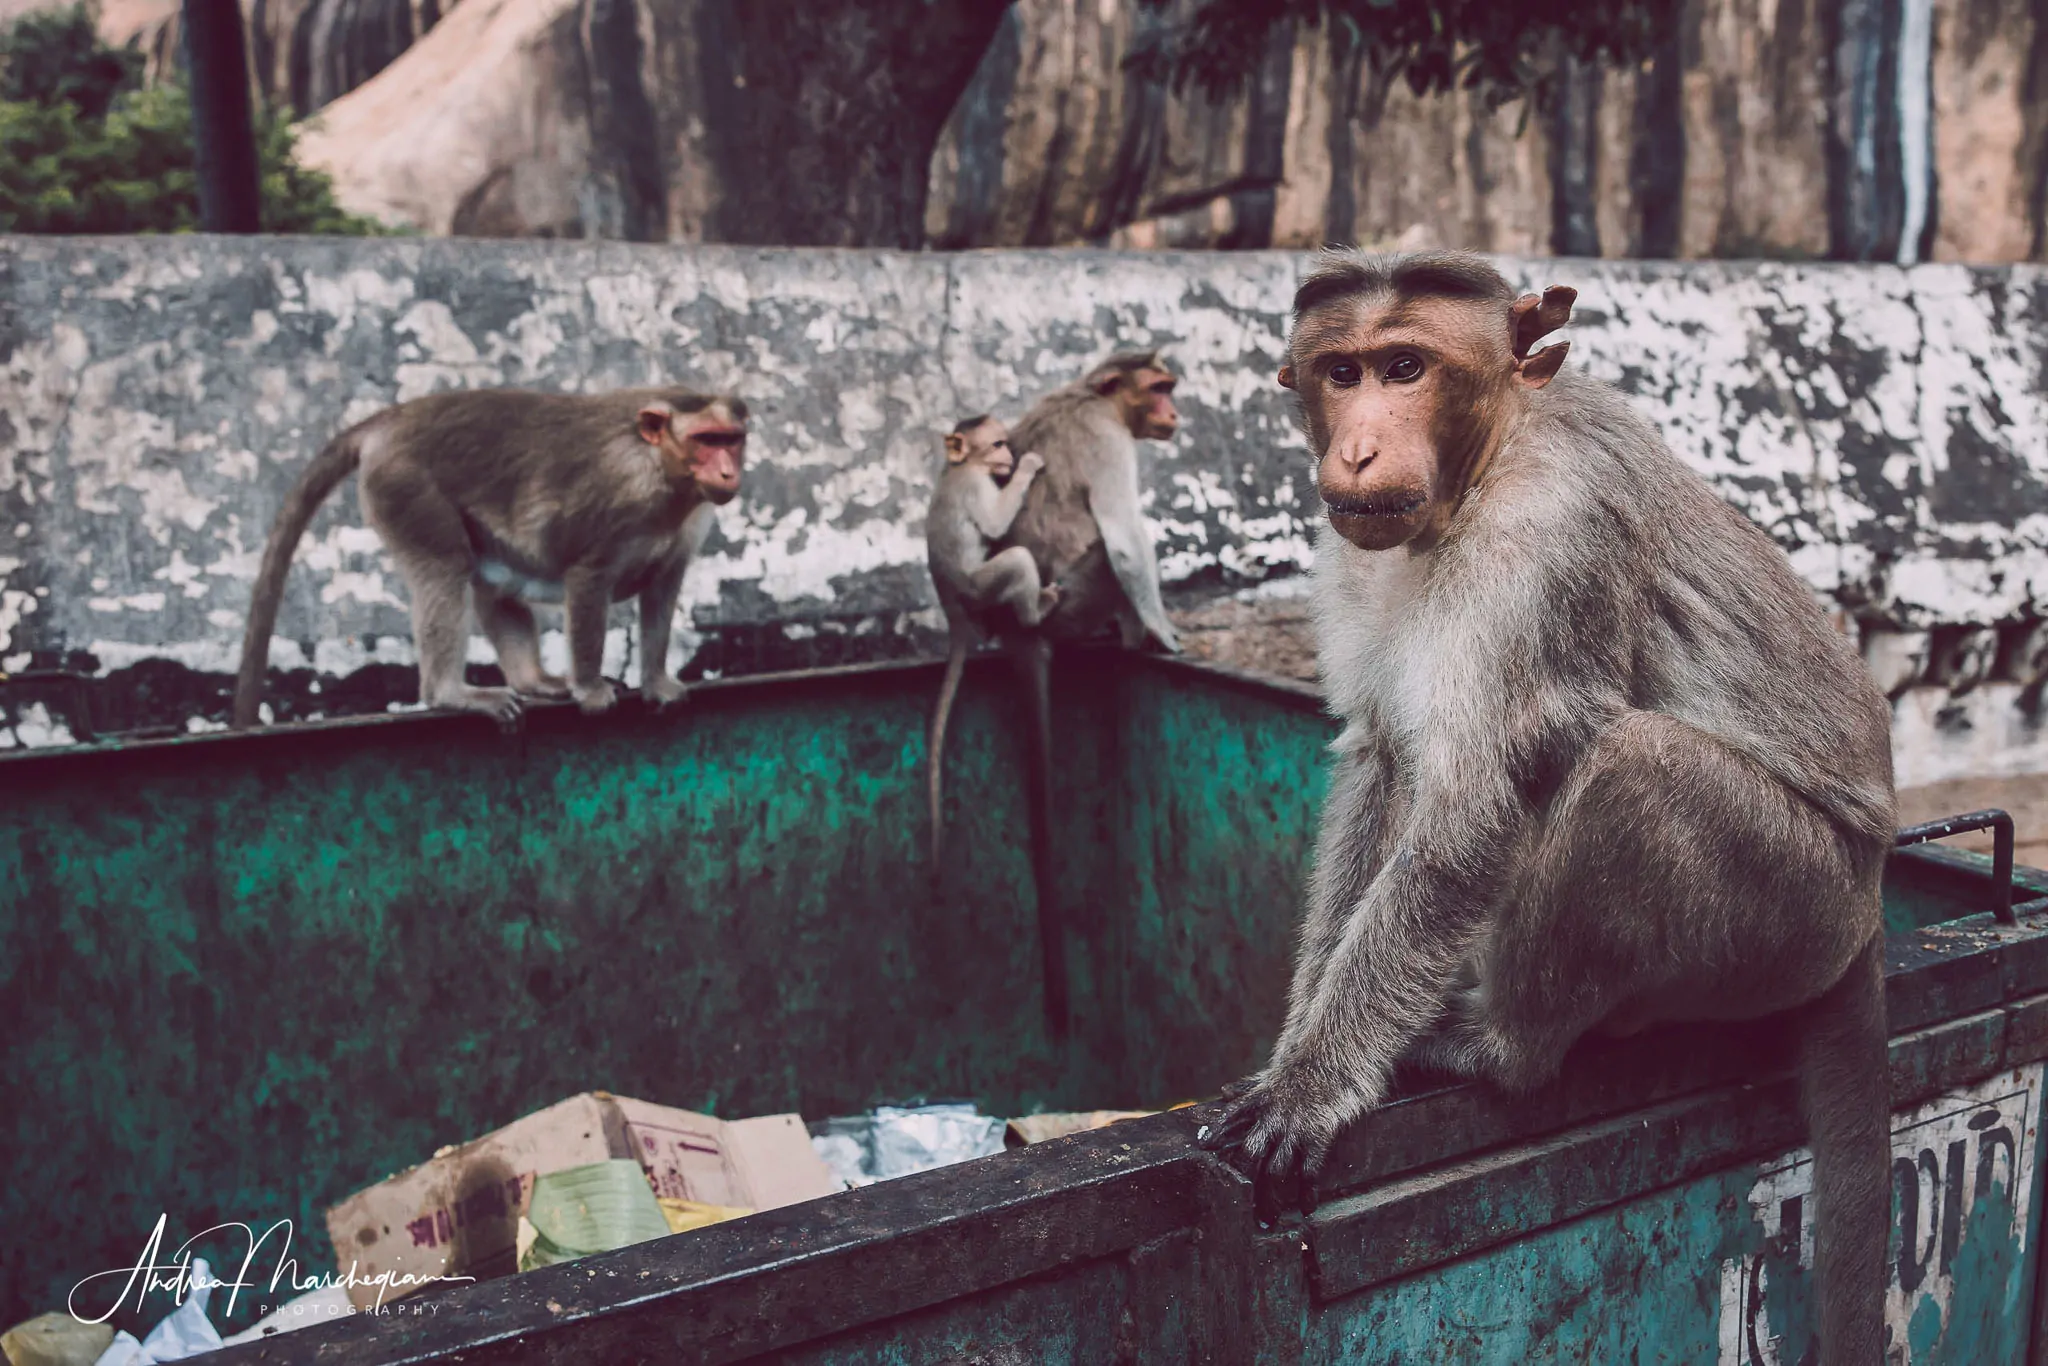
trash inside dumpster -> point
(458, 1214)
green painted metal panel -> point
(1718, 1270)
(245, 976)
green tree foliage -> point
(1503, 48)
(85, 149)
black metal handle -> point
(1999, 824)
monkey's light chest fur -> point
(1590, 575)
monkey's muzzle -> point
(717, 453)
(1379, 503)
(1378, 519)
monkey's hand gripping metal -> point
(1275, 1128)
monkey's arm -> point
(1390, 960)
(994, 515)
(1348, 853)
(1392, 953)
(1114, 504)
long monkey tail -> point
(1033, 656)
(956, 662)
(1844, 1087)
(336, 462)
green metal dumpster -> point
(245, 975)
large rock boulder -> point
(1739, 139)
(479, 129)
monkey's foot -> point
(543, 685)
(1274, 1129)
(595, 698)
(500, 704)
(661, 692)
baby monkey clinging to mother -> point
(980, 493)
(1604, 763)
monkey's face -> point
(991, 446)
(1395, 399)
(706, 448)
(986, 445)
(1146, 398)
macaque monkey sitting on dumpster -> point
(505, 496)
(980, 492)
(1605, 763)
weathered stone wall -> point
(1889, 426)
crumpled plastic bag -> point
(55, 1340)
(684, 1215)
(184, 1332)
(897, 1140)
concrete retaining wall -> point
(1889, 426)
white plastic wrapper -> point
(184, 1332)
(894, 1140)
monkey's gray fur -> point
(507, 496)
(1604, 763)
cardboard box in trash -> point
(458, 1214)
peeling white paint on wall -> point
(1889, 426)
(1986, 733)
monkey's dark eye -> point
(1344, 374)
(1403, 368)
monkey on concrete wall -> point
(979, 494)
(507, 497)
(1604, 761)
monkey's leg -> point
(1680, 880)
(657, 620)
(1675, 879)
(439, 589)
(1011, 579)
(587, 600)
(509, 624)
(426, 536)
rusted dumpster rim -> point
(1968, 998)
(553, 716)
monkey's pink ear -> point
(956, 448)
(1106, 381)
(1542, 367)
(1286, 377)
(1532, 319)
(653, 424)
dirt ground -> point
(2026, 798)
